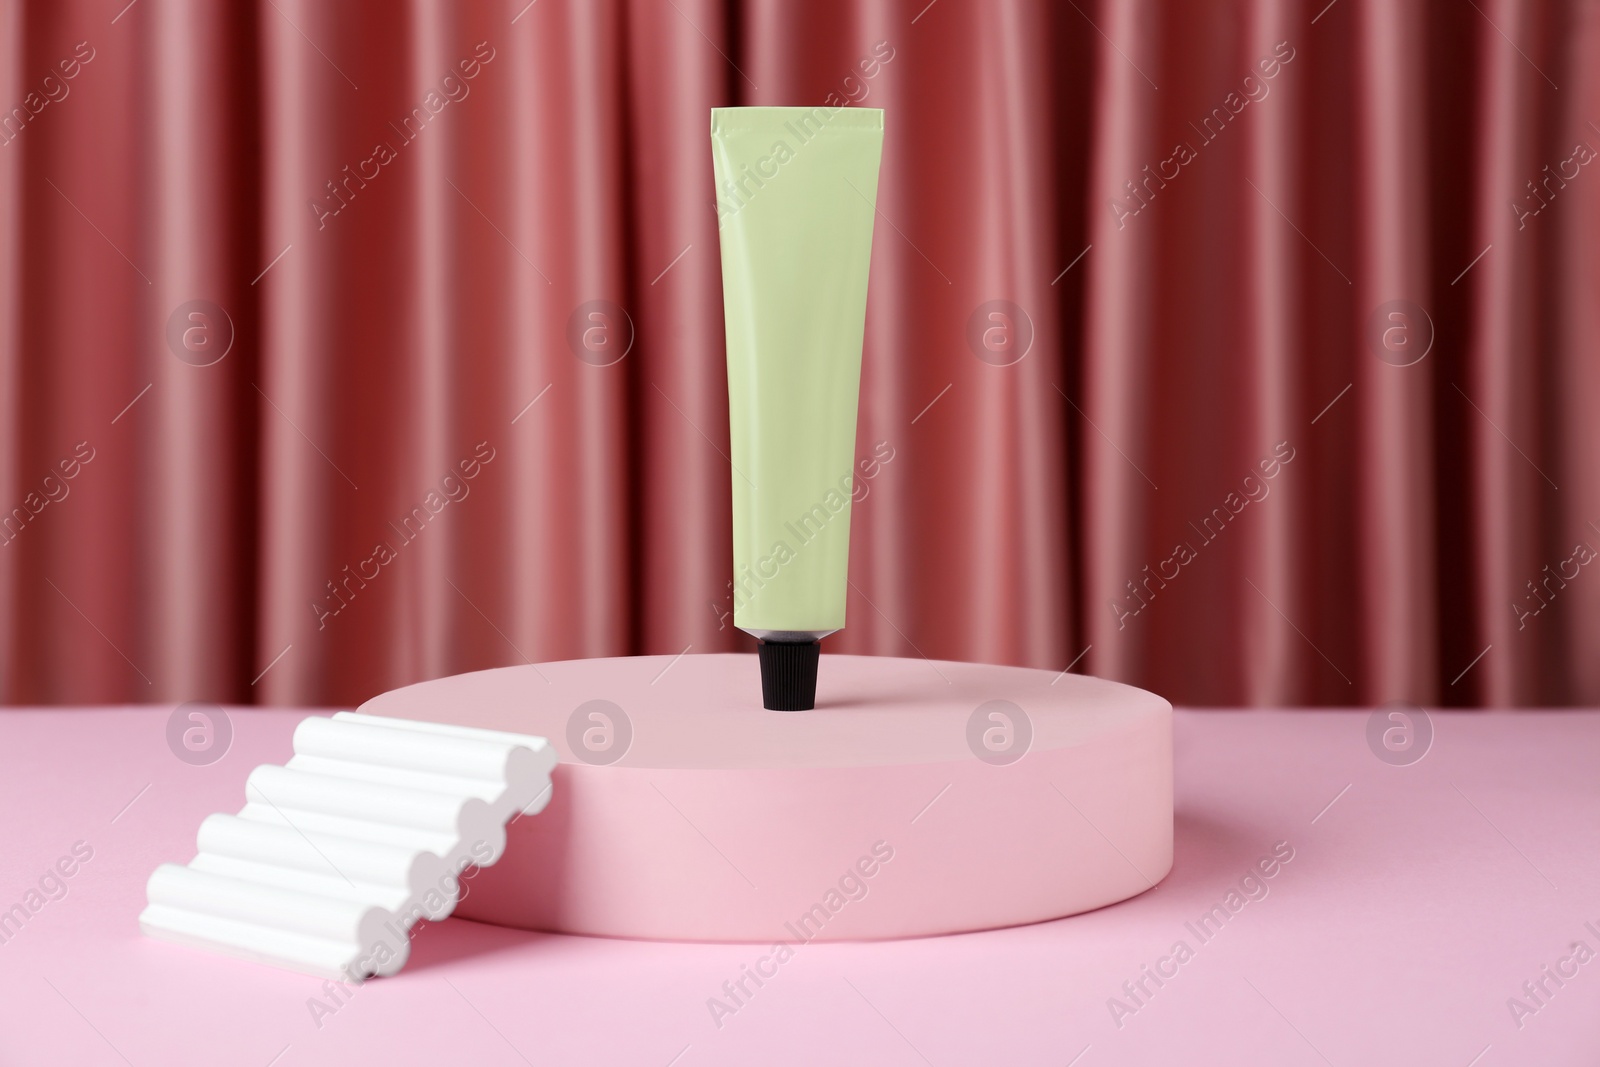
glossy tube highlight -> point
(796, 195)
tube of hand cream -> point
(796, 195)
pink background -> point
(1418, 900)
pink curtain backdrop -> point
(1242, 351)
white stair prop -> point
(337, 854)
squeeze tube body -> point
(796, 195)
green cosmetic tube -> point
(796, 195)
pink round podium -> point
(919, 797)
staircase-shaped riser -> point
(335, 856)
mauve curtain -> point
(1244, 351)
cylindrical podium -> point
(919, 797)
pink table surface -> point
(1417, 903)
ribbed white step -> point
(336, 854)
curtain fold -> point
(1246, 352)
(1392, 397)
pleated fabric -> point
(1245, 352)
